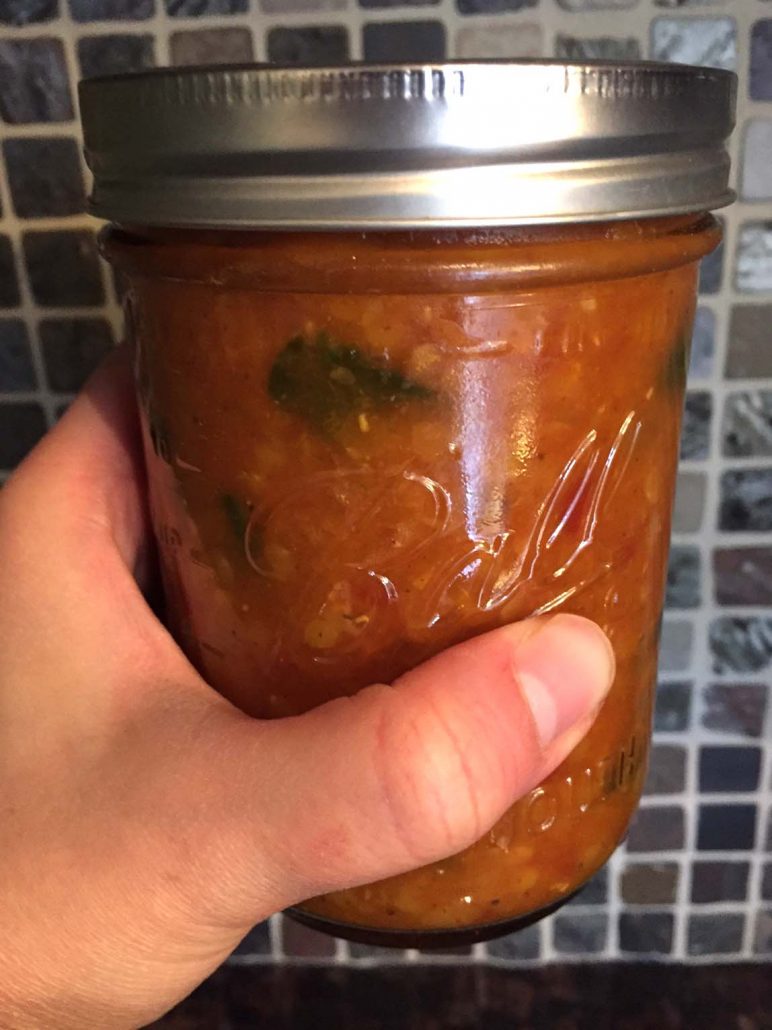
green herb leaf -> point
(677, 364)
(323, 382)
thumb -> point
(399, 776)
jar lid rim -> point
(457, 143)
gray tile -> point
(197, 8)
(309, 44)
(747, 426)
(749, 353)
(648, 933)
(256, 942)
(27, 12)
(597, 5)
(753, 268)
(16, 369)
(762, 936)
(611, 48)
(112, 10)
(741, 645)
(686, 3)
(44, 176)
(404, 41)
(72, 348)
(760, 81)
(675, 646)
(369, 4)
(362, 952)
(594, 892)
(711, 271)
(489, 41)
(649, 883)
(756, 180)
(724, 769)
(705, 41)
(35, 84)
(522, 946)
(21, 426)
(689, 507)
(683, 577)
(667, 770)
(63, 268)
(493, 6)
(115, 53)
(672, 710)
(9, 284)
(703, 344)
(715, 933)
(766, 882)
(657, 828)
(736, 708)
(579, 933)
(211, 46)
(726, 827)
(295, 6)
(746, 500)
(743, 575)
(719, 881)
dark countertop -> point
(465, 997)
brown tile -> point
(667, 769)
(749, 355)
(743, 575)
(644, 883)
(500, 41)
(302, 942)
(211, 46)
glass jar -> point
(370, 437)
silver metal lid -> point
(397, 146)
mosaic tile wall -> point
(694, 881)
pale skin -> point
(145, 823)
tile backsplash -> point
(694, 878)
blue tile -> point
(9, 284)
(44, 176)
(726, 827)
(72, 348)
(747, 427)
(727, 769)
(16, 369)
(522, 946)
(112, 10)
(21, 426)
(27, 12)
(35, 83)
(198, 8)
(63, 268)
(493, 6)
(760, 81)
(115, 53)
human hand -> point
(145, 823)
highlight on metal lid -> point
(486, 143)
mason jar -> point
(411, 346)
